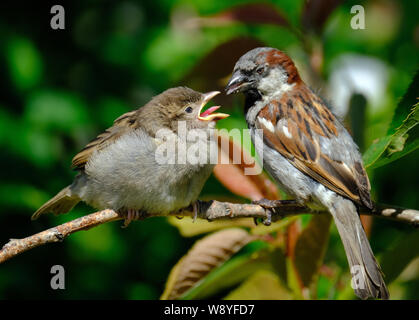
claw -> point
(132, 215)
(269, 206)
(268, 220)
(195, 210)
(273, 206)
(255, 220)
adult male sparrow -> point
(120, 168)
(309, 153)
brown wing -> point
(294, 130)
(121, 125)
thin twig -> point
(209, 210)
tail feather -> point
(367, 275)
(63, 202)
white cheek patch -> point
(275, 83)
(268, 124)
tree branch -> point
(209, 210)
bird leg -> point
(271, 206)
(132, 215)
(195, 207)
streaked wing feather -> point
(296, 137)
(122, 125)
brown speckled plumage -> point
(308, 152)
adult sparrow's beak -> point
(208, 114)
(237, 83)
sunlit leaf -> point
(393, 147)
(375, 151)
(207, 254)
(263, 285)
(403, 109)
(233, 271)
(397, 143)
(188, 228)
(293, 281)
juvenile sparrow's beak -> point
(208, 114)
(237, 83)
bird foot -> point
(271, 206)
(130, 215)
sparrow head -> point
(266, 70)
(182, 104)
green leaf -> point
(206, 255)
(263, 285)
(55, 109)
(394, 261)
(292, 9)
(409, 99)
(311, 247)
(399, 138)
(397, 143)
(101, 242)
(188, 228)
(391, 148)
(21, 196)
(375, 151)
(232, 272)
(24, 62)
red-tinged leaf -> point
(294, 280)
(251, 13)
(293, 232)
(316, 12)
(213, 70)
(233, 179)
(310, 248)
(367, 224)
(232, 175)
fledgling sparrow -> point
(119, 169)
(309, 153)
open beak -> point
(209, 115)
(236, 83)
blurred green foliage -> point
(60, 88)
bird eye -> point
(188, 109)
(260, 70)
